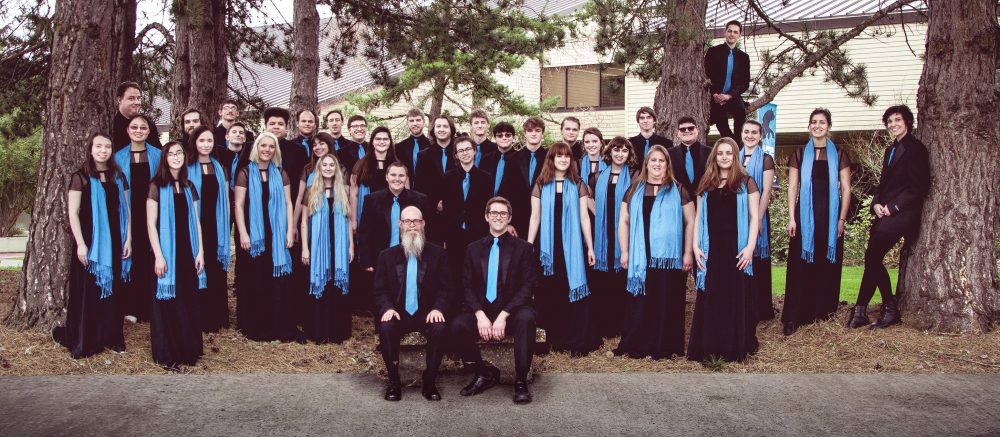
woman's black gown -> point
(608, 287)
(213, 301)
(92, 323)
(724, 324)
(328, 319)
(138, 297)
(175, 331)
(812, 290)
(360, 299)
(654, 322)
(762, 266)
(263, 302)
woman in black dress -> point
(726, 225)
(368, 176)
(655, 233)
(138, 162)
(98, 216)
(560, 226)
(819, 194)
(175, 236)
(209, 180)
(327, 249)
(760, 166)
(320, 145)
(263, 209)
(609, 186)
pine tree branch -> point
(154, 26)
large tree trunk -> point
(950, 280)
(200, 68)
(124, 22)
(683, 88)
(437, 99)
(305, 52)
(79, 103)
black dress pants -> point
(520, 324)
(719, 115)
(390, 333)
(876, 275)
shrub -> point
(18, 175)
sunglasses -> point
(504, 135)
(686, 129)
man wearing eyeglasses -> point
(129, 103)
(689, 158)
(498, 275)
(508, 181)
(465, 192)
(412, 291)
(355, 149)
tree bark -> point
(950, 280)
(79, 103)
(200, 67)
(305, 52)
(683, 88)
(437, 99)
(124, 20)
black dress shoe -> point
(430, 391)
(521, 393)
(482, 382)
(789, 328)
(393, 392)
(890, 315)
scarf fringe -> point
(601, 265)
(256, 248)
(666, 263)
(282, 270)
(831, 253)
(165, 292)
(579, 293)
(547, 264)
(763, 249)
(808, 256)
(340, 280)
(223, 257)
(103, 275)
(636, 286)
(127, 270)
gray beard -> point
(413, 243)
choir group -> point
(464, 238)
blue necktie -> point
(416, 148)
(465, 192)
(394, 222)
(444, 160)
(492, 270)
(361, 151)
(729, 73)
(479, 154)
(411, 285)
(499, 176)
(892, 151)
(336, 144)
(646, 150)
(689, 166)
(531, 169)
(305, 143)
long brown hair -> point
(90, 167)
(366, 168)
(623, 142)
(162, 177)
(713, 174)
(548, 172)
(668, 175)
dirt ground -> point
(825, 347)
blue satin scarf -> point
(585, 168)
(601, 217)
(742, 231)
(572, 237)
(221, 209)
(99, 259)
(808, 225)
(319, 247)
(756, 170)
(666, 235)
(124, 159)
(281, 260)
(166, 287)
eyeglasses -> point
(498, 214)
(411, 222)
(177, 154)
(504, 135)
(464, 150)
(139, 128)
(686, 129)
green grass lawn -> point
(849, 282)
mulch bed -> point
(825, 347)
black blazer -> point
(374, 228)
(903, 187)
(518, 274)
(348, 155)
(434, 284)
(716, 59)
(513, 187)
(678, 158)
(639, 145)
(429, 176)
(485, 148)
(470, 210)
(404, 151)
(293, 160)
(522, 158)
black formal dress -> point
(516, 276)
(762, 266)
(513, 187)
(639, 145)
(405, 153)
(328, 318)
(608, 287)
(678, 159)
(716, 66)
(434, 292)
(295, 157)
(263, 302)
(812, 290)
(92, 323)
(463, 214)
(724, 325)
(175, 329)
(213, 302)
(568, 325)
(654, 321)
(429, 179)
(137, 300)
(119, 133)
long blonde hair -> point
(255, 154)
(317, 189)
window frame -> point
(601, 68)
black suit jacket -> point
(513, 187)
(348, 155)
(434, 283)
(119, 133)
(678, 157)
(522, 158)
(429, 175)
(716, 59)
(517, 277)
(374, 228)
(294, 159)
(639, 145)
(903, 187)
(487, 147)
(469, 210)
(404, 151)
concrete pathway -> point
(565, 404)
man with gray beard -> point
(412, 292)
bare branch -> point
(155, 26)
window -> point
(585, 86)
